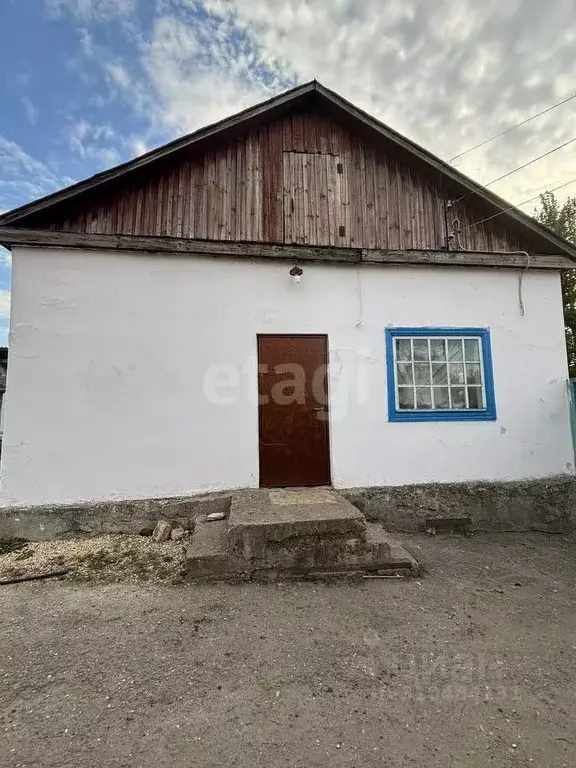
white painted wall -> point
(109, 352)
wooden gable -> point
(306, 168)
(303, 179)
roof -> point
(274, 107)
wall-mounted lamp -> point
(296, 273)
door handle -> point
(320, 408)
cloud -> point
(13, 159)
(203, 71)
(93, 142)
(137, 145)
(4, 303)
(447, 74)
(5, 257)
(31, 111)
(191, 68)
(98, 10)
(22, 177)
(118, 74)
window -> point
(439, 374)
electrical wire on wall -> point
(456, 234)
(360, 322)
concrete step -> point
(263, 519)
(293, 533)
(388, 553)
(208, 554)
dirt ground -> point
(472, 665)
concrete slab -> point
(292, 533)
(258, 518)
(302, 496)
(388, 552)
(208, 554)
(209, 539)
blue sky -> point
(86, 84)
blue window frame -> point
(440, 374)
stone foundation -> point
(94, 518)
(547, 504)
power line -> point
(544, 188)
(531, 200)
(512, 128)
(515, 170)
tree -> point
(561, 219)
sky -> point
(87, 84)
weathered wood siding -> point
(313, 204)
(300, 179)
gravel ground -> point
(99, 558)
(473, 665)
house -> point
(294, 296)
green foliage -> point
(561, 219)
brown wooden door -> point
(293, 410)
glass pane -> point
(455, 350)
(420, 349)
(405, 398)
(438, 349)
(441, 399)
(404, 373)
(440, 373)
(403, 349)
(472, 349)
(456, 373)
(422, 373)
(423, 397)
(475, 398)
(473, 373)
(458, 397)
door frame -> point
(328, 431)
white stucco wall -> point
(109, 353)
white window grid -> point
(432, 386)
